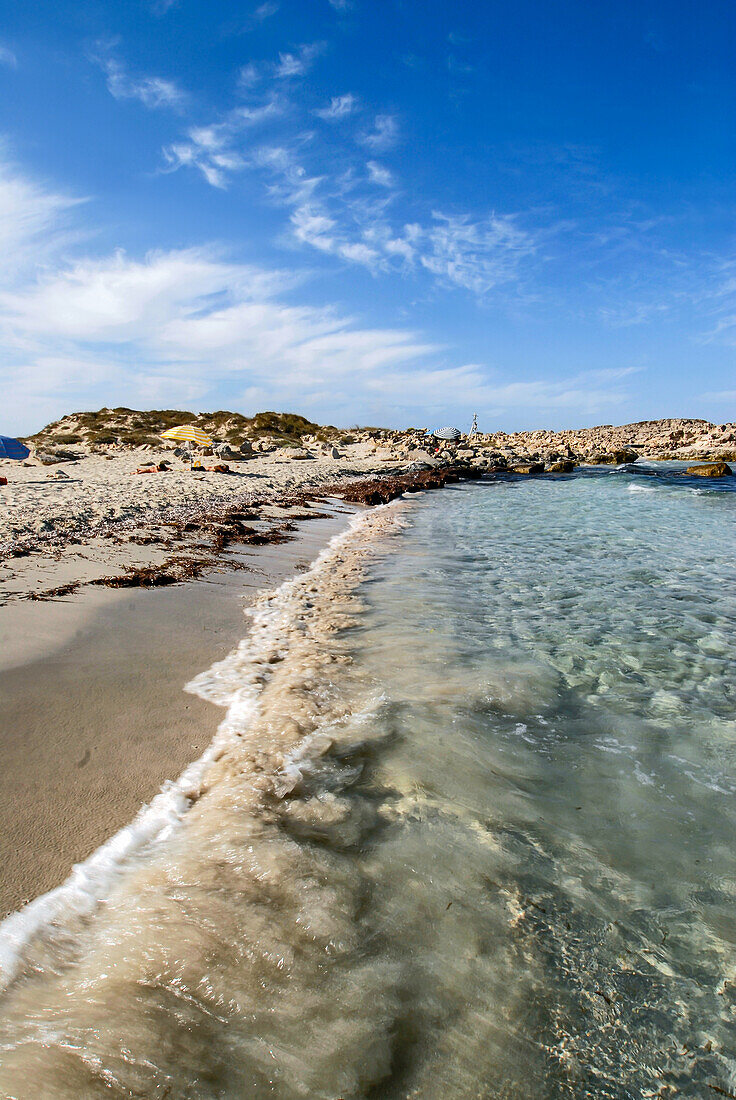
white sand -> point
(98, 489)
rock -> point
(50, 458)
(3, 481)
(612, 458)
(624, 455)
(711, 469)
(290, 454)
(565, 466)
(528, 468)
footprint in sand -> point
(84, 760)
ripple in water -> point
(468, 833)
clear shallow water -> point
(495, 857)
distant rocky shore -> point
(116, 431)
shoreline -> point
(90, 678)
(256, 753)
(63, 745)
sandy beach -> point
(95, 716)
(117, 587)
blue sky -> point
(395, 212)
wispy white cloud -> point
(336, 202)
(7, 57)
(288, 182)
(311, 226)
(152, 91)
(214, 150)
(33, 221)
(338, 217)
(299, 62)
(378, 173)
(340, 107)
(289, 65)
(248, 76)
(189, 321)
(265, 11)
(474, 254)
(181, 325)
(384, 135)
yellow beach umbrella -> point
(187, 433)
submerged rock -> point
(711, 469)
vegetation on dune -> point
(137, 428)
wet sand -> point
(93, 715)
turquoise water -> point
(498, 859)
(561, 697)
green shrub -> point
(282, 424)
(67, 437)
(222, 416)
(140, 439)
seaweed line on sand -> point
(227, 526)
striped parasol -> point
(447, 433)
(187, 433)
(13, 448)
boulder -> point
(619, 457)
(291, 453)
(528, 468)
(612, 458)
(565, 466)
(50, 458)
(711, 469)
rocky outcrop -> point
(711, 469)
(609, 444)
(564, 466)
